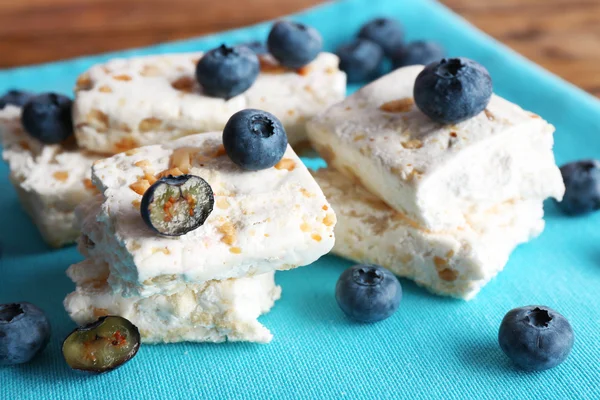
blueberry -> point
(293, 44)
(368, 293)
(360, 60)
(24, 332)
(254, 139)
(259, 48)
(47, 117)
(453, 90)
(225, 72)
(386, 32)
(535, 337)
(102, 346)
(582, 182)
(176, 205)
(417, 53)
(15, 97)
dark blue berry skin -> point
(582, 183)
(417, 53)
(15, 97)
(360, 60)
(386, 32)
(293, 44)
(254, 139)
(225, 72)
(24, 332)
(259, 48)
(47, 117)
(535, 337)
(368, 293)
(453, 90)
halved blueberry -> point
(536, 337)
(368, 293)
(24, 332)
(582, 183)
(360, 60)
(453, 90)
(417, 53)
(15, 97)
(386, 32)
(293, 44)
(176, 205)
(47, 117)
(102, 346)
(254, 139)
(225, 72)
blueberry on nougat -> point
(582, 187)
(254, 139)
(293, 44)
(453, 90)
(225, 72)
(47, 117)
(176, 205)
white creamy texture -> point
(455, 263)
(213, 311)
(127, 103)
(436, 174)
(51, 180)
(274, 219)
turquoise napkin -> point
(433, 348)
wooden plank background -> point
(561, 35)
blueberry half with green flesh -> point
(176, 205)
(102, 346)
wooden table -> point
(561, 35)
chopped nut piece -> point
(83, 82)
(150, 70)
(98, 120)
(448, 274)
(306, 193)
(123, 77)
(235, 250)
(412, 144)
(105, 89)
(142, 164)
(286, 163)
(182, 158)
(140, 186)
(359, 137)
(149, 124)
(87, 183)
(125, 144)
(184, 83)
(329, 220)
(304, 227)
(316, 237)
(61, 176)
(489, 115)
(395, 106)
(136, 203)
(325, 208)
(229, 233)
(131, 152)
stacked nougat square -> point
(444, 205)
(212, 283)
(127, 103)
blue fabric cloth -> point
(433, 348)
